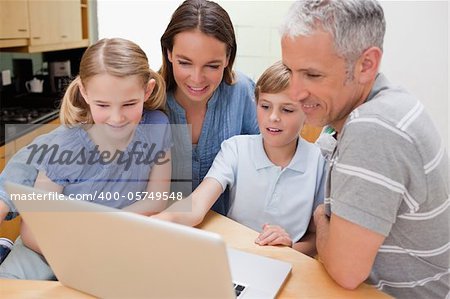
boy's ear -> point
(369, 64)
(149, 89)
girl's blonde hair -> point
(117, 57)
(275, 79)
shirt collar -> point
(298, 162)
(381, 83)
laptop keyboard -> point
(238, 288)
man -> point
(387, 192)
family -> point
(373, 209)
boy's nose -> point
(274, 116)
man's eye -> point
(313, 76)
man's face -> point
(319, 79)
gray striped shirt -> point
(389, 174)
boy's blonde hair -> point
(275, 79)
(117, 57)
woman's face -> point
(198, 63)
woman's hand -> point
(273, 235)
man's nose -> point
(297, 90)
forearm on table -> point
(307, 244)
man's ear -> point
(83, 92)
(368, 64)
(149, 89)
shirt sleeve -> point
(224, 166)
(321, 178)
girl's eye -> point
(102, 105)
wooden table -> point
(308, 278)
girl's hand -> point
(273, 235)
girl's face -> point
(198, 63)
(116, 103)
(280, 119)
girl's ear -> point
(149, 89)
(83, 92)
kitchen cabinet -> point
(14, 19)
(14, 26)
(54, 21)
(52, 25)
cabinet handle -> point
(64, 36)
(22, 30)
(37, 37)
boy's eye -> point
(130, 104)
(288, 110)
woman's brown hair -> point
(117, 57)
(209, 18)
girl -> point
(99, 149)
(275, 178)
(199, 48)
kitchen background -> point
(416, 44)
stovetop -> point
(22, 114)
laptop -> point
(114, 254)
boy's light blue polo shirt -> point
(261, 192)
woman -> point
(203, 92)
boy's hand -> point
(273, 235)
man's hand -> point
(273, 235)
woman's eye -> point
(183, 62)
(215, 67)
(265, 107)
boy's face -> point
(280, 119)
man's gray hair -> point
(355, 25)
